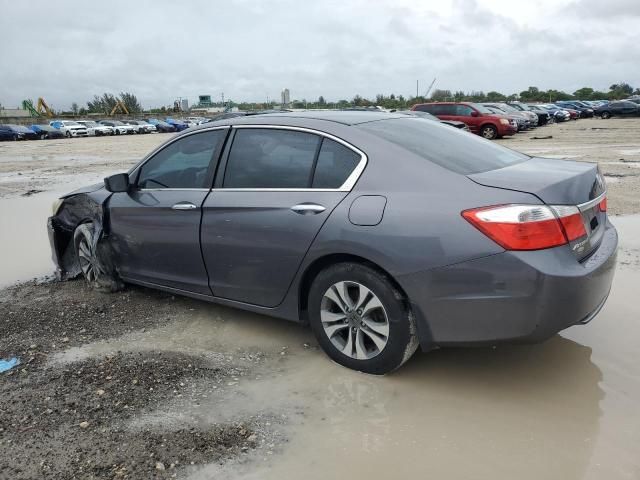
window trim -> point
(135, 171)
(347, 186)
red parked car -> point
(479, 119)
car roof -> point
(334, 116)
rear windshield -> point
(458, 151)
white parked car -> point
(70, 128)
(94, 129)
(141, 126)
(119, 127)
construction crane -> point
(41, 109)
(426, 95)
(119, 106)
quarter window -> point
(271, 158)
(335, 164)
(182, 164)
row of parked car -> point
(495, 120)
(90, 128)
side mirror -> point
(475, 114)
(117, 183)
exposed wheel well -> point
(321, 263)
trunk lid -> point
(558, 182)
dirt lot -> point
(141, 384)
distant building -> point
(204, 101)
(285, 97)
(184, 105)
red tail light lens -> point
(528, 227)
(603, 205)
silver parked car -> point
(382, 231)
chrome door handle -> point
(184, 206)
(308, 208)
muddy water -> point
(24, 240)
(565, 409)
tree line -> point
(105, 103)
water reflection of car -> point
(16, 132)
(382, 231)
(45, 132)
(428, 116)
(161, 127)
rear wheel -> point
(606, 115)
(489, 132)
(360, 319)
(43, 136)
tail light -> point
(528, 227)
(603, 205)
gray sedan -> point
(384, 232)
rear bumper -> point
(512, 296)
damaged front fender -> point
(84, 206)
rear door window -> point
(271, 158)
(443, 145)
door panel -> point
(158, 243)
(253, 242)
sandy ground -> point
(141, 384)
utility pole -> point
(417, 82)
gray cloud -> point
(163, 49)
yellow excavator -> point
(121, 107)
(41, 109)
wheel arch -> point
(325, 261)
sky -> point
(161, 50)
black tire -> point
(117, 132)
(95, 273)
(605, 115)
(401, 342)
(489, 132)
(15, 138)
(43, 136)
(68, 134)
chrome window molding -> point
(347, 186)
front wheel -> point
(93, 269)
(606, 115)
(489, 132)
(68, 134)
(360, 319)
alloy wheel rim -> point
(487, 133)
(354, 320)
(88, 261)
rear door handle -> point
(184, 206)
(308, 208)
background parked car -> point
(141, 126)
(46, 131)
(532, 118)
(521, 107)
(180, 125)
(120, 128)
(622, 108)
(519, 121)
(161, 127)
(70, 128)
(584, 110)
(16, 132)
(478, 118)
(544, 116)
(94, 129)
(559, 114)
